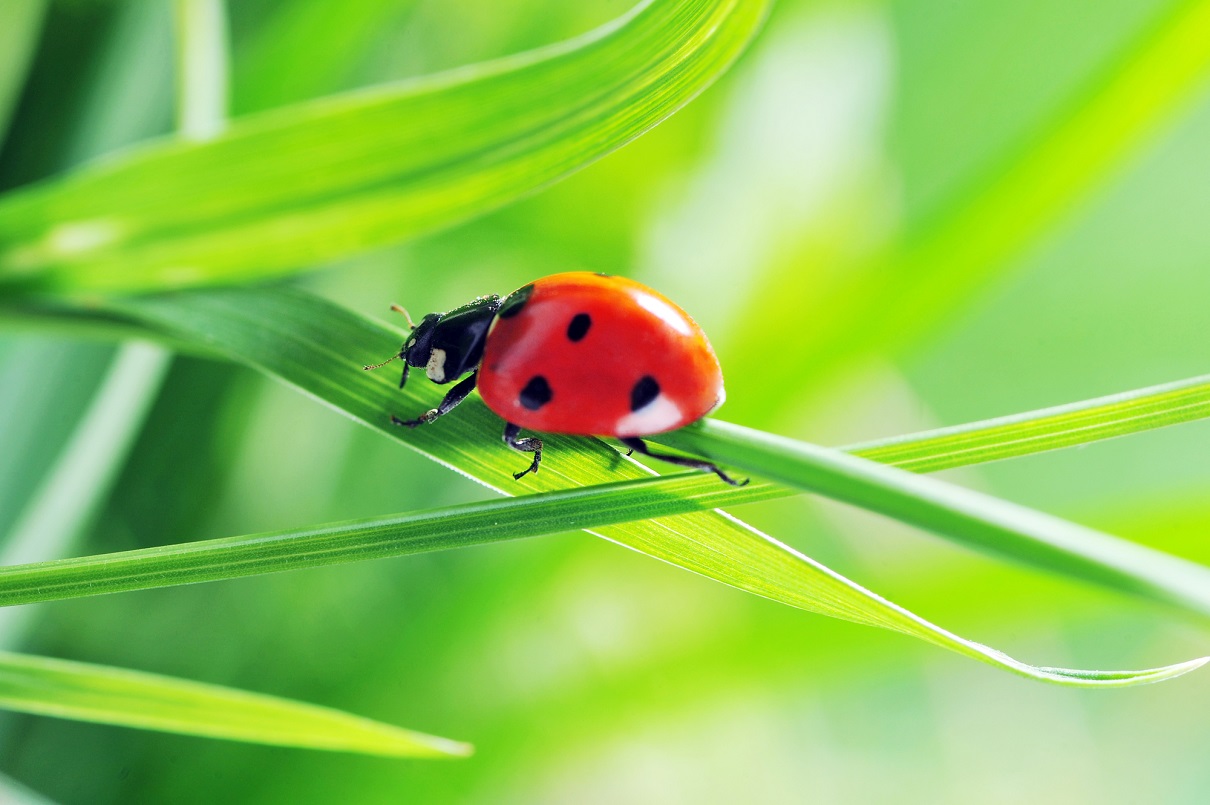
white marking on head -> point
(436, 366)
(657, 416)
(666, 312)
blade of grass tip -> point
(959, 514)
(300, 186)
(318, 348)
(83, 692)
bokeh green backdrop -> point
(582, 672)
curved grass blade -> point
(818, 588)
(962, 515)
(105, 695)
(293, 188)
(319, 348)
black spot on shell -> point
(515, 301)
(646, 390)
(579, 326)
(536, 393)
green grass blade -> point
(772, 573)
(1047, 429)
(368, 538)
(319, 347)
(295, 187)
(106, 695)
(959, 514)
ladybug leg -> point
(457, 394)
(404, 380)
(638, 445)
(526, 445)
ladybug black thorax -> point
(451, 344)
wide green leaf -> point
(318, 348)
(292, 188)
(84, 692)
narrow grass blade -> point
(296, 187)
(369, 538)
(781, 574)
(959, 514)
(84, 692)
(1048, 429)
(319, 348)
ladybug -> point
(577, 353)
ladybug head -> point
(448, 345)
(417, 349)
(419, 346)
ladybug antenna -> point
(403, 310)
(384, 363)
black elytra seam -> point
(644, 391)
(579, 326)
(535, 394)
(515, 301)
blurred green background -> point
(582, 672)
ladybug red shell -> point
(577, 353)
(597, 355)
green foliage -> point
(1009, 158)
(307, 342)
(113, 696)
(322, 180)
